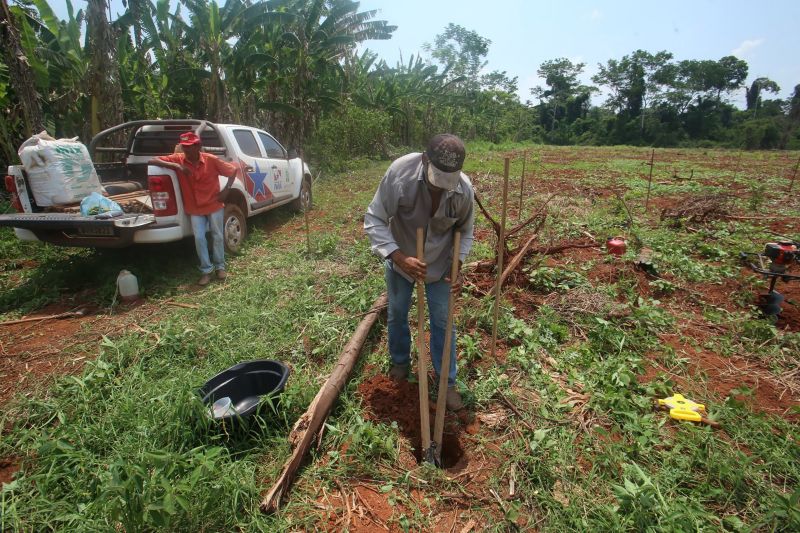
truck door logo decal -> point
(277, 180)
(256, 186)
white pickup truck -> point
(269, 176)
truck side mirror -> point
(293, 153)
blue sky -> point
(526, 33)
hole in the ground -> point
(398, 401)
(452, 452)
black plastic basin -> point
(246, 384)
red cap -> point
(189, 138)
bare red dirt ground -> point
(728, 376)
(357, 508)
(8, 468)
(32, 353)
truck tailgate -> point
(73, 228)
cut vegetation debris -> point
(103, 429)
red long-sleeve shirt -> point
(200, 188)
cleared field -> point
(102, 429)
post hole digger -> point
(773, 263)
(432, 446)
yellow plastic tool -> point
(681, 408)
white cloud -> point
(746, 47)
(596, 14)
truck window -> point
(274, 150)
(247, 143)
(161, 142)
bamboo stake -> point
(422, 353)
(444, 369)
(738, 164)
(794, 175)
(522, 185)
(500, 249)
(649, 180)
(307, 426)
(308, 233)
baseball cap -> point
(446, 153)
(189, 138)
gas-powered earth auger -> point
(773, 263)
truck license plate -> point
(97, 231)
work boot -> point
(221, 274)
(204, 280)
(453, 399)
(399, 372)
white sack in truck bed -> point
(59, 171)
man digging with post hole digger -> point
(198, 174)
(422, 190)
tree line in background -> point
(293, 67)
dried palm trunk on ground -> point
(307, 426)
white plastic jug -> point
(128, 286)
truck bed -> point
(136, 202)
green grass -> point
(126, 443)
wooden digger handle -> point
(444, 370)
(422, 354)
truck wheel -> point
(234, 228)
(303, 202)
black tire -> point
(234, 228)
(305, 200)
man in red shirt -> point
(198, 173)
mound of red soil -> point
(390, 401)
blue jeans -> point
(437, 294)
(213, 223)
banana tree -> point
(208, 33)
(103, 76)
(57, 57)
(322, 33)
(17, 72)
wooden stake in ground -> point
(649, 181)
(444, 369)
(307, 426)
(522, 185)
(305, 209)
(738, 164)
(500, 249)
(794, 175)
(422, 354)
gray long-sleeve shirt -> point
(403, 203)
